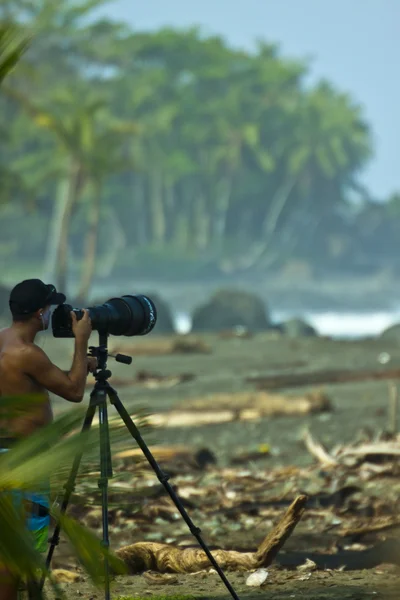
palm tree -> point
(322, 147)
(12, 47)
(109, 154)
(90, 144)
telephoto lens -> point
(127, 316)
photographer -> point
(26, 370)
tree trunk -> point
(74, 187)
(201, 223)
(157, 213)
(278, 204)
(116, 243)
(139, 201)
(269, 226)
(89, 259)
(56, 222)
(223, 191)
(170, 210)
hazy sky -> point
(354, 43)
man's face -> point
(45, 317)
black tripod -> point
(98, 398)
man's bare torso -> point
(26, 415)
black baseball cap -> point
(30, 295)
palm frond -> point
(90, 551)
(29, 465)
(12, 47)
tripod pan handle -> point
(122, 358)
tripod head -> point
(101, 353)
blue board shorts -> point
(36, 506)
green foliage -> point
(12, 47)
(194, 148)
(29, 465)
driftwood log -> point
(242, 406)
(226, 408)
(273, 382)
(149, 556)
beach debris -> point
(370, 454)
(376, 526)
(154, 578)
(318, 451)
(178, 344)
(144, 556)
(195, 459)
(261, 402)
(238, 332)
(384, 358)
(307, 566)
(260, 452)
(290, 380)
(257, 578)
(65, 576)
(241, 406)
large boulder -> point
(297, 328)
(228, 309)
(392, 333)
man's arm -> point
(92, 364)
(71, 385)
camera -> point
(128, 316)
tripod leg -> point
(163, 478)
(33, 590)
(105, 473)
(69, 488)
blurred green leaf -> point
(13, 44)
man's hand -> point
(83, 328)
(92, 364)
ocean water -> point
(350, 325)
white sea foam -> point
(335, 324)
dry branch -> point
(274, 541)
(318, 451)
(356, 455)
(149, 556)
(384, 525)
(195, 459)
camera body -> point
(61, 320)
(128, 316)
